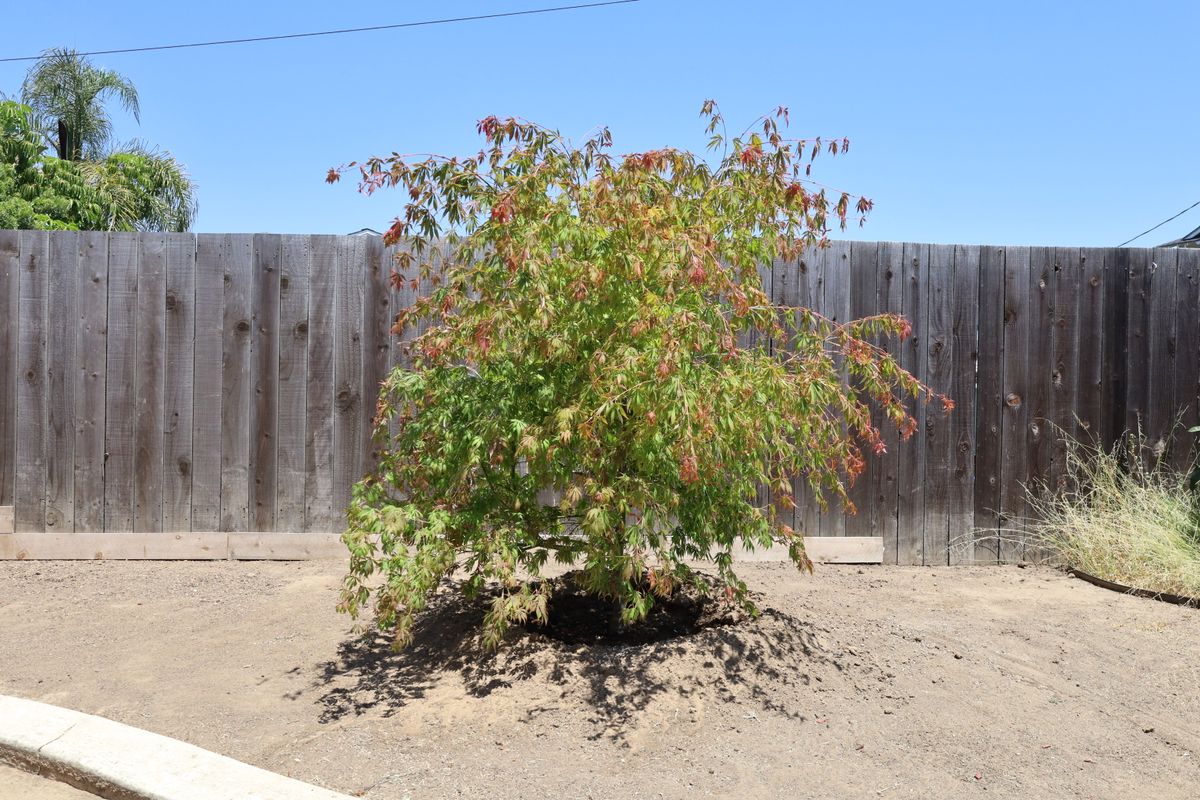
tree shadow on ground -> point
(733, 659)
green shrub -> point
(589, 341)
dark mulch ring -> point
(579, 618)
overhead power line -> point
(340, 31)
(1159, 225)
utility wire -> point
(1159, 225)
(340, 31)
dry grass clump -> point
(1127, 517)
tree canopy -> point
(595, 382)
(67, 95)
(92, 183)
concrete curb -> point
(118, 762)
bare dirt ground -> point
(856, 682)
(17, 785)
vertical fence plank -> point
(939, 375)
(836, 306)
(1067, 274)
(376, 323)
(401, 293)
(1186, 396)
(347, 372)
(91, 380)
(1137, 356)
(764, 496)
(1115, 370)
(119, 397)
(990, 403)
(149, 363)
(1044, 332)
(318, 437)
(960, 505)
(1160, 424)
(785, 288)
(890, 292)
(295, 257)
(864, 301)
(29, 513)
(61, 341)
(910, 509)
(810, 294)
(10, 291)
(1019, 321)
(208, 382)
(1092, 336)
(264, 396)
(780, 281)
(238, 269)
(178, 389)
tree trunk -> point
(614, 617)
(64, 141)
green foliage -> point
(36, 191)
(584, 390)
(67, 94)
(92, 185)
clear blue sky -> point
(1058, 123)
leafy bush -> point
(596, 384)
(1126, 517)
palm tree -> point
(146, 189)
(67, 94)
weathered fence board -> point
(30, 443)
(836, 306)
(318, 437)
(809, 294)
(1138, 346)
(1018, 322)
(150, 327)
(178, 389)
(989, 398)
(347, 370)
(910, 504)
(60, 382)
(963, 390)
(1093, 339)
(195, 384)
(10, 290)
(1160, 416)
(207, 382)
(1064, 378)
(119, 399)
(295, 260)
(91, 381)
(377, 323)
(264, 381)
(786, 281)
(1186, 387)
(939, 372)
(238, 266)
(863, 275)
(884, 469)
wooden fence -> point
(221, 384)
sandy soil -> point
(17, 785)
(857, 682)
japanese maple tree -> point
(583, 389)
